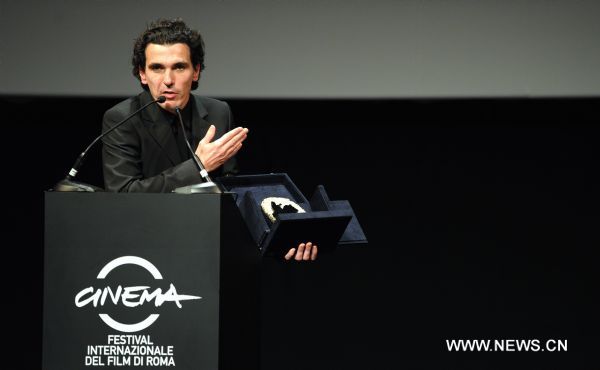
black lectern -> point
(148, 281)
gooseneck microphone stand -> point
(208, 186)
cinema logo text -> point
(130, 296)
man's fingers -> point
(228, 136)
(210, 134)
(313, 254)
(307, 250)
(236, 135)
(300, 252)
(230, 141)
(304, 252)
(290, 254)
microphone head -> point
(161, 99)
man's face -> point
(169, 72)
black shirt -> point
(186, 115)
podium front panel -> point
(131, 280)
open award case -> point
(325, 222)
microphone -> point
(208, 186)
(67, 184)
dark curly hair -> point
(167, 32)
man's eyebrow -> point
(155, 65)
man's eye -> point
(156, 68)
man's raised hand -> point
(213, 154)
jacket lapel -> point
(199, 123)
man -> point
(148, 153)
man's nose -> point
(168, 80)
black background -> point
(480, 214)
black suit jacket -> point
(142, 154)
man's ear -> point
(196, 72)
(142, 76)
